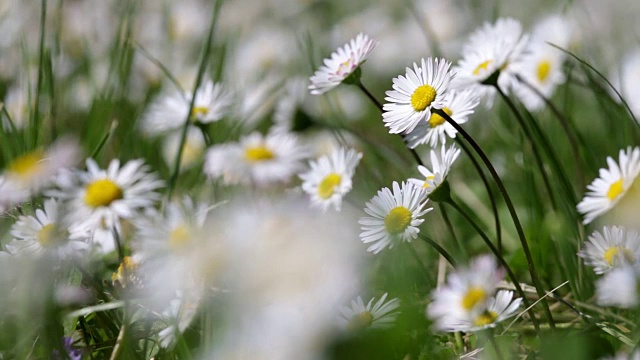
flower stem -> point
(512, 210)
(379, 106)
(440, 250)
(447, 222)
(494, 344)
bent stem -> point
(447, 222)
(512, 210)
(501, 260)
(379, 106)
(440, 250)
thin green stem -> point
(36, 111)
(512, 210)
(494, 344)
(498, 256)
(439, 249)
(104, 140)
(202, 67)
(487, 186)
(447, 222)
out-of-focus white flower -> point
(441, 166)
(192, 151)
(394, 216)
(329, 178)
(612, 185)
(179, 315)
(611, 249)
(378, 315)
(98, 200)
(256, 159)
(342, 64)
(414, 95)
(491, 48)
(625, 80)
(619, 287)
(623, 356)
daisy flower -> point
(34, 235)
(498, 308)
(624, 78)
(378, 315)
(435, 130)
(489, 49)
(99, 199)
(467, 293)
(610, 249)
(414, 95)
(619, 287)
(395, 216)
(440, 165)
(329, 178)
(168, 112)
(342, 64)
(179, 315)
(256, 159)
(612, 185)
(28, 173)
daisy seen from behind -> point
(342, 64)
(99, 199)
(612, 185)
(435, 129)
(394, 216)
(256, 159)
(441, 165)
(612, 248)
(329, 178)
(414, 95)
(379, 314)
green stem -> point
(512, 209)
(447, 222)
(202, 67)
(494, 344)
(104, 140)
(440, 250)
(485, 181)
(36, 111)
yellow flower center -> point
(328, 184)
(360, 321)
(473, 297)
(258, 153)
(179, 237)
(486, 318)
(436, 120)
(344, 67)
(27, 164)
(613, 252)
(397, 220)
(199, 111)
(102, 193)
(615, 190)
(543, 70)
(46, 235)
(482, 67)
(422, 97)
(125, 271)
(426, 181)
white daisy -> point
(378, 315)
(412, 98)
(168, 112)
(329, 178)
(192, 151)
(44, 232)
(491, 48)
(27, 174)
(613, 183)
(619, 287)
(440, 165)
(342, 64)
(541, 69)
(625, 79)
(179, 315)
(99, 200)
(256, 159)
(395, 216)
(611, 249)
(498, 308)
(467, 293)
(435, 130)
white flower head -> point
(379, 314)
(611, 249)
(466, 295)
(168, 112)
(342, 64)
(619, 287)
(612, 185)
(44, 232)
(491, 48)
(441, 166)
(414, 95)
(329, 178)
(394, 216)
(624, 78)
(256, 159)
(435, 129)
(98, 200)
(179, 314)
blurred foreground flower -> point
(378, 315)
